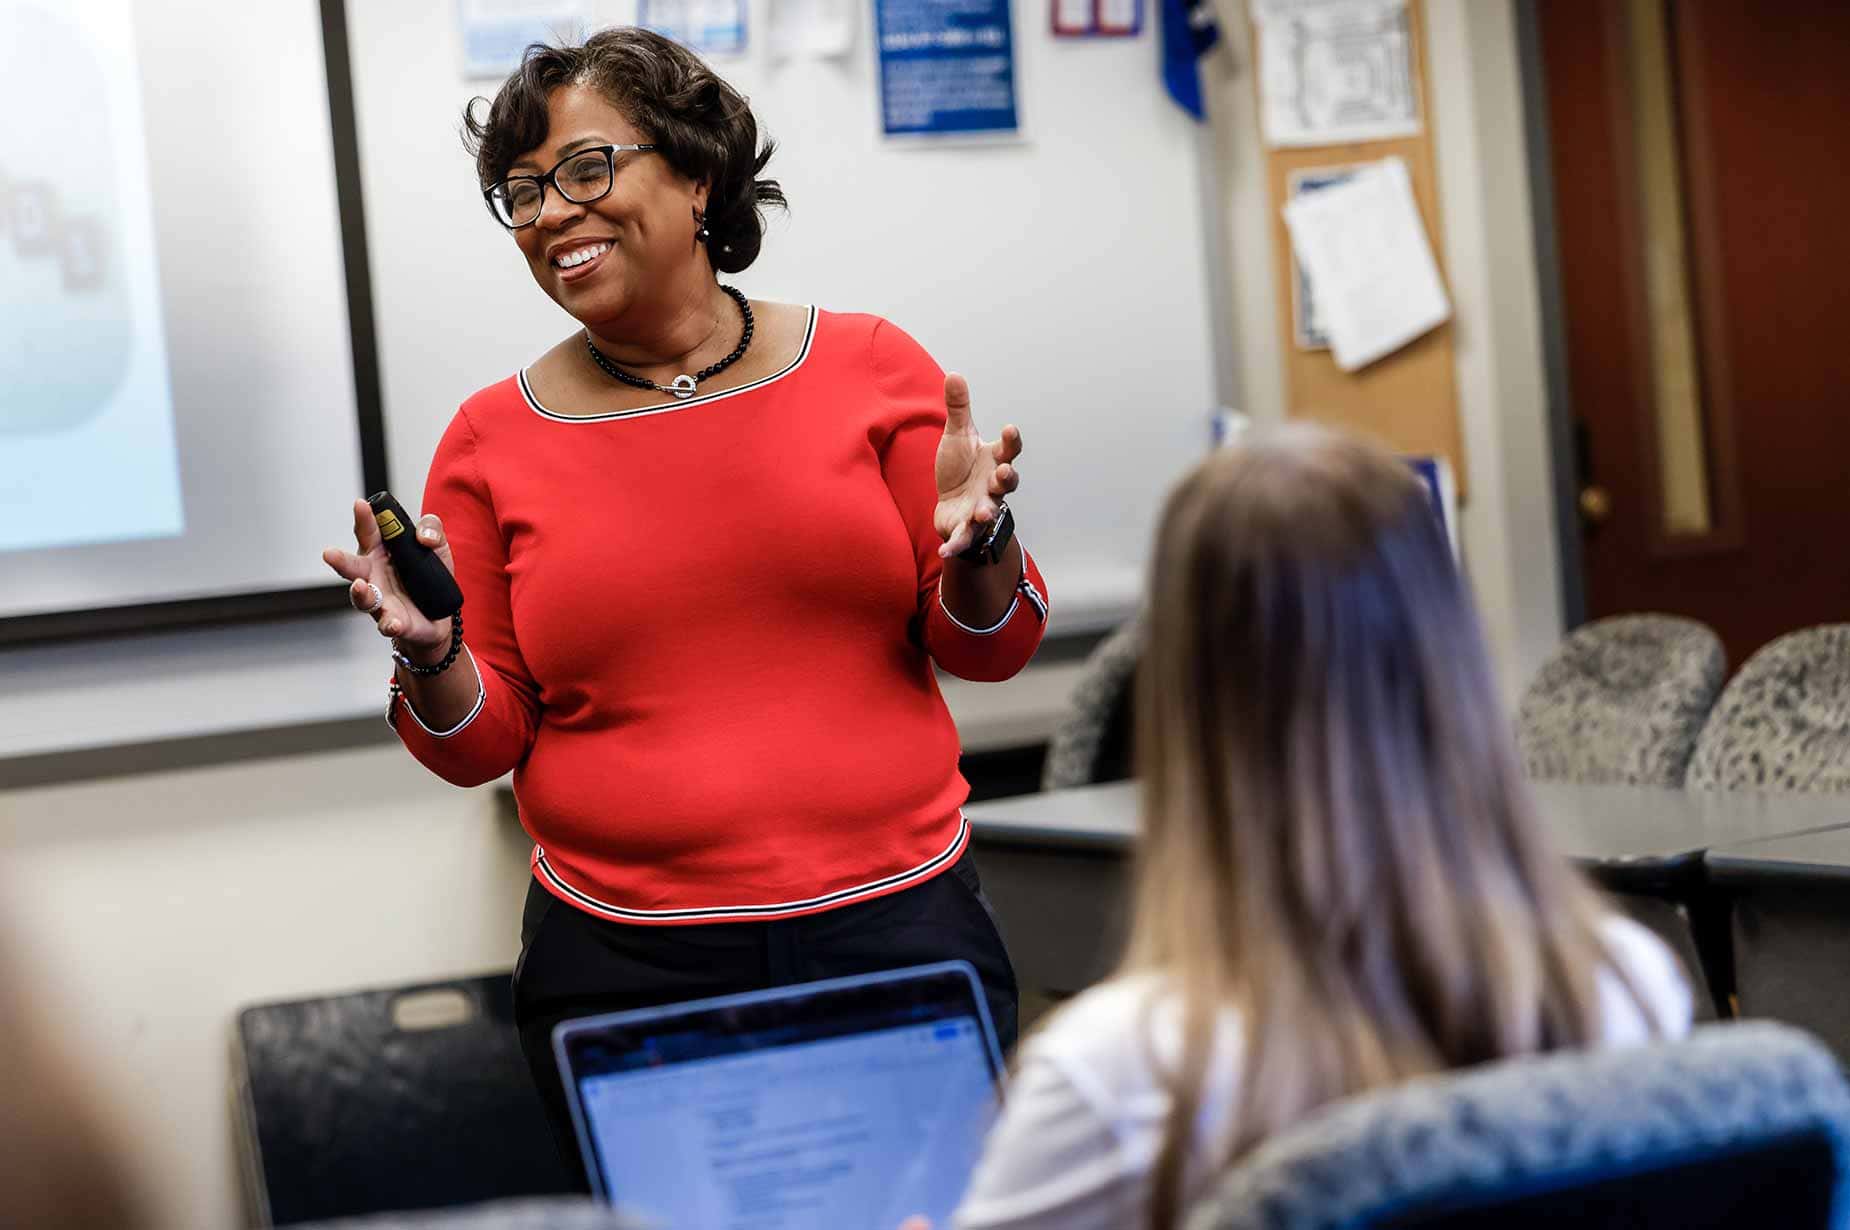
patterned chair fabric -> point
(1784, 721)
(1622, 701)
(1756, 1116)
(1091, 742)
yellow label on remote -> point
(390, 525)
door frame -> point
(1564, 466)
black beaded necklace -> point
(681, 386)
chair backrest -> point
(1622, 701)
(1784, 721)
(1737, 1126)
(407, 1098)
(1092, 743)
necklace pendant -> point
(681, 386)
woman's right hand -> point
(393, 612)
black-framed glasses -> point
(580, 178)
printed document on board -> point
(1335, 71)
(1371, 269)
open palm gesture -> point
(973, 474)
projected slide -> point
(87, 448)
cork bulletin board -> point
(1408, 399)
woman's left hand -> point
(973, 474)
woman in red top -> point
(709, 550)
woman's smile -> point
(574, 260)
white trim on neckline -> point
(533, 403)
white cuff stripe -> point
(1023, 588)
(481, 699)
(989, 631)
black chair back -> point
(408, 1098)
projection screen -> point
(188, 383)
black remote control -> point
(419, 570)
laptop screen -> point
(856, 1102)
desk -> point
(1646, 838)
(1790, 926)
(1628, 834)
(1054, 864)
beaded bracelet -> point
(449, 659)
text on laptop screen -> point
(773, 1133)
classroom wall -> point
(156, 904)
(153, 906)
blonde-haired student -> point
(1342, 882)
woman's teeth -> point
(578, 256)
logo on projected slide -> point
(66, 324)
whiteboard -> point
(176, 358)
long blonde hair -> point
(1337, 840)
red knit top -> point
(706, 630)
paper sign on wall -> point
(496, 32)
(1335, 71)
(810, 29)
(707, 27)
(1097, 18)
(947, 68)
(1370, 267)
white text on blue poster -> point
(947, 67)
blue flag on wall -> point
(1189, 30)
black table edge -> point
(1736, 862)
(1008, 833)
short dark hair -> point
(701, 125)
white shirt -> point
(1086, 1112)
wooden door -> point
(1701, 159)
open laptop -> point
(853, 1102)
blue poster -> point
(947, 68)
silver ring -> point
(378, 601)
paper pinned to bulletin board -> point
(1334, 71)
(1366, 264)
(1308, 327)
